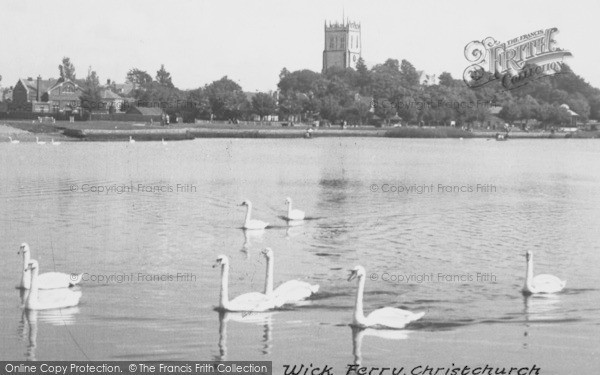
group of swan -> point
(37, 140)
(253, 224)
(384, 318)
(289, 292)
(32, 281)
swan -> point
(131, 140)
(66, 298)
(293, 214)
(540, 283)
(48, 280)
(163, 141)
(253, 301)
(37, 140)
(290, 291)
(387, 317)
(54, 143)
(14, 141)
(249, 223)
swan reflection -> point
(249, 236)
(28, 326)
(264, 319)
(359, 333)
(540, 308)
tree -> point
(409, 74)
(446, 79)
(139, 77)
(263, 104)
(163, 77)
(91, 98)
(66, 69)
(227, 100)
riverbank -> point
(121, 131)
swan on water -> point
(58, 300)
(290, 291)
(540, 283)
(253, 301)
(48, 280)
(14, 141)
(54, 143)
(163, 141)
(387, 317)
(37, 140)
(292, 213)
(250, 223)
(131, 140)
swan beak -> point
(352, 275)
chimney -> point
(39, 84)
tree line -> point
(389, 91)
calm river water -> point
(410, 211)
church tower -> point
(342, 45)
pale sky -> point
(252, 40)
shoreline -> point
(115, 131)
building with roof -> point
(111, 100)
(47, 96)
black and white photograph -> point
(262, 187)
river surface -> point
(441, 226)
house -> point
(110, 99)
(124, 89)
(574, 115)
(47, 96)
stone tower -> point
(342, 45)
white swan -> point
(163, 141)
(290, 291)
(54, 143)
(540, 283)
(293, 214)
(37, 140)
(387, 317)
(253, 301)
(58, 300)
(131, 140)
(14, 141)
(248, 222)
(48, 280)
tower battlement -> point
(341, 26)
(342, 44)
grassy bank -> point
(414, 132)
(121, 131)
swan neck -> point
(33, 292)
(269, 276)
(248, 209)
(289, 208)
(358, 307)
(224, 296)
(26, 279)
(529, 276)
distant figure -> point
(167, 120)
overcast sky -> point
(252, 40)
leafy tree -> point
(66, 69)
(139, 77)
(409, 74)
(264, 104)
(227, 101)
(91, 98)
(163, 77)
